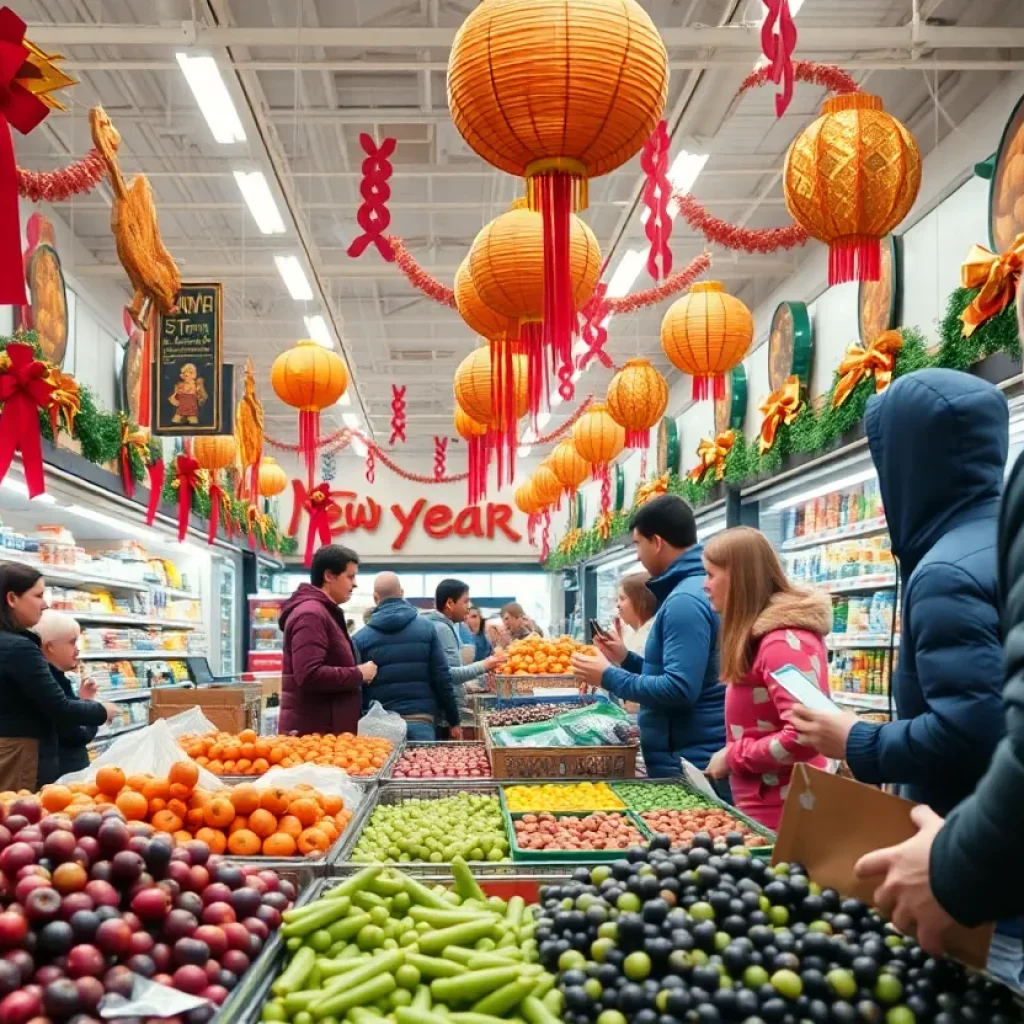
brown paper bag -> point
(830, 822)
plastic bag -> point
(597, 725)
(378, 722)
(320, 777)
(191, 722)
(151, 750)
(149, 999)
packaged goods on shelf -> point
(842, 560)
(833, 512)
(863, 672)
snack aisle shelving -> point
(266, 641)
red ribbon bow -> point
(22, 111)
(318, 504)
(373, 216)
(24, 388)
(656, 196)
(188, 481)
(778, 41)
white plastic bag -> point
(149, 999)
(151, 750)
(320, 777)
(378, 722)
(191, 722)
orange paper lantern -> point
(557, 91)
(705, 334)
(479, 317)
(637, 399)
(850, 177)
(525, 499)
(309, 378)
(568, 466)
(272, 479)
(214, 452)
(547, 488)
(597, 438)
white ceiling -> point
(307, 76)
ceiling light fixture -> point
(119, 526)
(626, 273)
(258, 197)
(352, 420)
(316, 327)
(358, 447)
(211, 94)
(294, 277)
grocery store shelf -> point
(113, 619)
(865, 528)
(124, 695)
(114, 733)
(66, 575)
(187, 595)
(865, 701)
(139, 655)
(856, 584)
(846, 640)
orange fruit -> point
(275, 800)
(110, 780)
(156, 789)
(157, 805)
(134, 806)
(260, 766)
(183, 773)
(333, 803)
(305, 810)
(219, 812)
(214, 838)
(313, 840)
(138, 781)
(166, 821)
(195, 818)
(55, 798)
(240, 822)
(246, 799)
(290, 825)
(280, 844)
(247, 736)
(244, 843)
(263, 823)
(181, 836)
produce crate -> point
(512, 686)
(570, 857)
(613, 762)
(442, 778)
(756, 827)
(536, 782)
(487, 703)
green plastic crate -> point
(582, 857)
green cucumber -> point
(468, 988)
(435, 967)
(536, 1011)
(457, 935)
(465, 884)
(505, 999)
(295, 974)
(335, 1004)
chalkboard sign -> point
(187, 378)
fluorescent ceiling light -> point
(626, 273)
(294, 278)
(352, 421)
(685, 169)
(118, 526)
(21, 489)
(213, 98)
(318, 330)
(543, 420)
(358, 447)
(822, 489)
(556, 400)
(346, 399)
(260, 201)
(523, 450)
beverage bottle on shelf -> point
(799, 522)
(840, 611)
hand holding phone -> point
(596, 629)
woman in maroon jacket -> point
(321, 684)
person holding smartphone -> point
(767, 626)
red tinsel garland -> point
(419, 278)
(672, 284)
(76, 179)
(827, 76)
(731, 236)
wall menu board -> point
(187, 380)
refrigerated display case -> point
(266, 641)
(226, 614)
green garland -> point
(818, 431)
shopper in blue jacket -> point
(682, 702)
(413, 679)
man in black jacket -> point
(967, 868)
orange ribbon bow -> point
(137, 439)
(878, 358)
(566, 543)
(782, 406)
(604, 525)
(65, 401)
(652, 489)
(996, 276)
(712, 453)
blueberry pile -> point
(710, 934)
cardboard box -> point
(230, 708)
(830, 822)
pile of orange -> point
(542, 656)
(240, 820)
(225, 753)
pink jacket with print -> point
(762, 745)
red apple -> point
(84, 960)
(236, 961)
(237, 935)
(90, 992)
(218, 913)
(15, 857)
(28, 807)
(180, 924)
(215, 993)
(103, 893)
(43, 905)
(20, 1007)
(151, 904)
(142, 942)
(188, 978)
(114, 936)
(112, 836)
(74, 902)
(256, 926)
(215, 938)
(216, 892)
(199, 878)
(13, 929)
(27, 885)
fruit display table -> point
(446, 759)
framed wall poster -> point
(668, 446)
(1006, 192)
(187, 384)
(878, 302)
(731, 408)
(47, 309)
(790, 345)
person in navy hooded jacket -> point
(939, 441)
(682, 702)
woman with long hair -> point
(33, 707)
(636, 606)
(475, 625)
(766, 624)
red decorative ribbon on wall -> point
(440, 457)
(188, 481)
(373, 216)
(397, 414)
(778, 41)
(656, 195)
(24, 389)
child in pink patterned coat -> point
(766, 624)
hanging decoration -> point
(272, 478)
(878, 359)
(637, 399)
(249, 434)
(77, 179)
(136, 440)
(526, 501)
(712, 452)
(851, 176)
(594, 332)
(656, 196)
(598, 439)
(419, 278)
(370, 468)
(157, 475)
(309, 378)
(25, 388)
(996, 277)
(478, 454)
(651, 489)
(440, 457)
(705, 334)
(568, 466)
(780, 407)
(672, 285)
(65, 401)
(214, 453)
(187, 481)
(318, 506)
(479, 317)
(545, 536)
(547, 488)
(373, 215)
(154, 275)
(557, 91)
(397, 414)
(778, 41)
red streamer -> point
(309, 441)
(373, 216)
(24, 389)
(127, 479)
(157, 473)
(531, 340)
(440, 457)
(318, 504)
(370, 466)
(545, 537)
(397, 414)
(778, 41)
(217, 499)
(188, 481)
(478, 462)
(77, 179)
(656, 195)
(595, 333)
(555, 192)
(419, 278)
(606, 489)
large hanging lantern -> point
(479, 317)
(637, 399)
(272, 479)
(475, 436)
(850, 177)
(547, 488)
(525, 498)
(214, 453)
(598, 439)
(705, 334)
(309, 378)
(568, 466)
(557, 91)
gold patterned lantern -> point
(705, 334)
(557, 91)
(637, 399)
(850, 177)
(568, 466)
(273, 479)
(598, 439)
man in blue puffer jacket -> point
(682, 703)
(413, 679)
